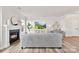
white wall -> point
(71, 24)
(0, 27)
(8, 12)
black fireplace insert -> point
(14, 35)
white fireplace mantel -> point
(7, 28)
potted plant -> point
(29, 26)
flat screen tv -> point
(40, 25)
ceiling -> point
(48, 10)
(45, 10)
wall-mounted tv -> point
(40, 25)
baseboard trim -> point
(71, 36)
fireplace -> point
(14, 35)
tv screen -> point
(40, 25)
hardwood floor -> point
(70, 45)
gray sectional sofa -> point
(54, 39)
